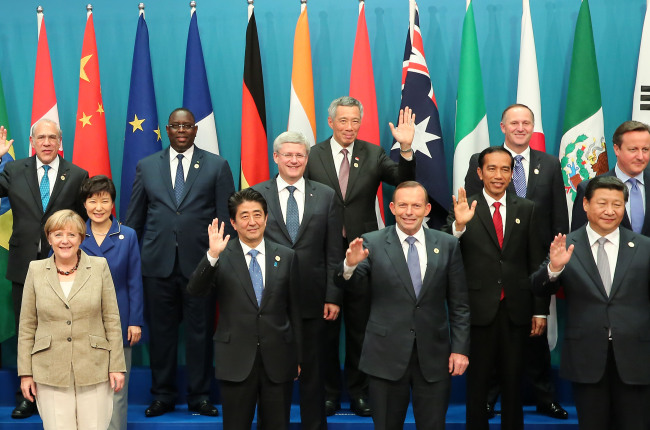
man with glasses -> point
(176, 193)
(37, 187)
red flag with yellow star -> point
(90, 142)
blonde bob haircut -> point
(65, 218)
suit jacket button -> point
(178, 213)
(412, 331)
(69, 339)
(499, 282)
(68, 322)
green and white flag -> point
(583, 154)
(471, 120)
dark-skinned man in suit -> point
(302, 216)
(418, 332)
(605, 272)
(354, 169)
(37, 187)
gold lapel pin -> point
(436, 251)
(121, 237)
(630, 244)
(517, 221)
(277, 258)
(63, 177)
(196, 166)
(356, 164)
(536, 171)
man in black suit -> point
(604, 272)
(257, 343)
(176, 192)
(302, 216)
(418, 330)
(37, 187)
(632, 148)
(355, 169)
(537, 177)
(500, 250)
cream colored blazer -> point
(80, 332)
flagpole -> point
(140, 9)
(89, 10)
(39, 18)
(250, 8)
(192, 7)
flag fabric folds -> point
(196, 92)
(302, 112)
(254, 148)
(362, 88)
(583, 154)
(7, 325)
(641, 101)
(142, 132)
(44, 103)
(528, 85)
(90, 140)
(428, 147)
(472, 134)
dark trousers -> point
(312, 380)
(239, 400)
(498, 345)
(611, 404)
(390, 399)
(17, 299)
(167, 303)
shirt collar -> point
(490, 200)
(282, 184)
(593, 237)
(337, 147)
(189, 152)
(54, 165)
(525, 153)
(246, 248)
(419, 235)
(623, 177)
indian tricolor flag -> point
(583, 154)
(471, 119)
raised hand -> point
(463, 212)
(355, 253)
(405, 130)
(217, 241)
(559, 253)
(4, 144)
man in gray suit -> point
(604, 272)
(418, 331)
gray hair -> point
(290, 137)
(45, 120)
(343, 101)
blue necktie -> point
(636, 206)
(255, 271)
(45, 187)
(519, 177)
(293, 222)
(179, 184)
(413, 262)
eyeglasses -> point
(290, 156)
(181, 126)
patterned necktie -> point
(519, 177)
(45, 187)
(636, 206)
(498, 226)
(179, 184)
(602, 262)
(293, 221)
(413, 263)
(344, 172)
(255, 271)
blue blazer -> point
(121, 250)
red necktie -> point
(498, 226)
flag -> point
(254, 149)
(362, 88)
(302, 113)
(528, 85)
(44, 99)
(428, 148)
(90, 141)
(196, 92)
(7, 325)
(142, 132)
(583, 154)
(641, 103)
(471, 119)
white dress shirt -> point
(173, 162)
(51, 174)
(298, 194)
(260, 257)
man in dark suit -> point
(632, 148)
(257, 343)
(355, 169)
(604, 272)
(302, 216)
(500, 250)
(176, 193)
(537, 177)
(37, 187)
(419, 325)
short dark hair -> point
(181, 109)
(626, 127)
(517, 105)
(491, 150)
(411, 184)
(96, 185)
(245, 195)
(608, 183)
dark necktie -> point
(45, 187)
(519, 177)
(255, 271)
(293, 221)
(413, 263)
(179, 184)
(636, 206)
(498, 226)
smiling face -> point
(605, 210)
(410, 206)
(46, 141)
(292, 161)
(345, 125)
(517, 125)
(496, 173)
(99, 207)
(65, 243)
(634, 152)
(181, 130)
(250, 222)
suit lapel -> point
(396, 256)
(273, 203)
(82, 276)
(59, 182)
(358, 159)
(52, 278)
(272, 261)
(310, 200)
(323, 152)
(234, 255)
(582, 250)
(646, 219)
(32, 180)
(195, 167)
(512, 213)
(626, 250)
(483, 213)
(166, 175)
(433, 259)
(533, 166)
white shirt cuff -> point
(457, 234)
(212, 260)
(348, 270)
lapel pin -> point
(630, 244)
(356, 158)
(277, 258)
(536, 171)
(275, 264)
(436, 251)
(63, 177)
(517, 221)
(356, 164)
(121, 237)
(196, 166)
(311, 195)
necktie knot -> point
(602, 241)
(180, 158)
(496, 205)
(291, 189)
(411, 240)
(518, 158)
(46, 168)
(253, 253)
(633, 182)
(345, 151)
